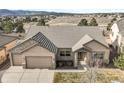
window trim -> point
(65, 54)
(98, 53)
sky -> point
(76, 6)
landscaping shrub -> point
(119, 62)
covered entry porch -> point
(88, 58)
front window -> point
(65, 53)
(68, 53)
(98, 55)
(81, 55)
(62, 53)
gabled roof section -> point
(43, 41)
(85, 39)
(23, 46)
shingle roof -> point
(67, 36)
(44, 42)
(6, 39)
(81, 42)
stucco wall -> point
(114, 32)
(115, 36)
(34, 51)
(95, 46)
(17, 59)
(2, 55)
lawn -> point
(92, 76)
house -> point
(117, 35)
(6, 43)
(60, 46)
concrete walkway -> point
(16, 74)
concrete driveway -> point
(1, 74)
(3, 68)
(16, 74)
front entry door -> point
(81, 56)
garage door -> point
(39, 61)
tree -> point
(119, 61)
(41, 23)
(114, 19)
(83, 22)
(34, 19)
(109, 26)
(19, 27)
(8, 26)
(27, 19)
(93, 22)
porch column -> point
(24, 62)
(11, 59)
(53, 63)
(75, 59)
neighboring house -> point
(60, 46)
(117, 35)
(6, 43)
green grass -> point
(101, 76)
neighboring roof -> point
(67, 36)
(6, 39)
(120, 24)
(44, 42)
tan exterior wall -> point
(34, 51)
(95, 46)
(10, 46)
(2, 55)
(17, 59)
(5, 51)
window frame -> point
(99, 55)
(66, 53)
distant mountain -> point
(6, 12)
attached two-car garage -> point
(38, 61)
(35, 57)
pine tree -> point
(93, 22)
(83, 22)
